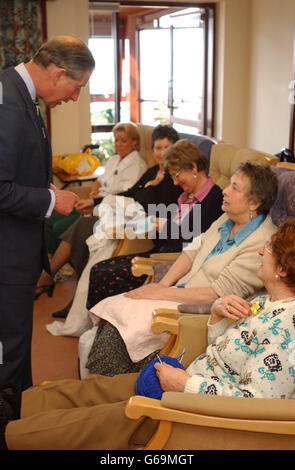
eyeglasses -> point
(175, 177)
(267, 247)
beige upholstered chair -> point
(225, 158)
(204, 422)
(146, 150)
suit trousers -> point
(86, 414)
(16, 320)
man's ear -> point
(58, 73)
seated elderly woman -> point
(221, 261)
(249, 358)
(122, 171)
(188, 164)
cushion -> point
(284, 206)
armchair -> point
(205, 422)
(155, 266)
(129, 245)
(225, 158)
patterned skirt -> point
(108, 354)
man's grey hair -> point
(67, 52)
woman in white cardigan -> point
(220, 262)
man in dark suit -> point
(56, 74)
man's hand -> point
(84, 204)
(64, 200)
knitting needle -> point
(181, 355)
(159, 358)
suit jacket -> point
(25, 174)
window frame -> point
(208, 127)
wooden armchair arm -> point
(141, 260)
(234, 413)
(270, 159)
(164, 256)
(188, 333)
(141, 266)
(128, 246)
(289, 165)
(167, 313)
(139, 269)
(163, 324)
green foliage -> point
(106, 148)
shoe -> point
(49, 288)
(8, 387)
(10, 401)
(61, 313)
(3, 424)
(6, 410)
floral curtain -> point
(20, 30)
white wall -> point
(70, 123)
(272, 33)
(232, 71)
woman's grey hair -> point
(181, 156)
(67, 52)
(263, 184)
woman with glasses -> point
(219, 262)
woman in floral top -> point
(255, 356)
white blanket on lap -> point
(114, 211)
(133, 320)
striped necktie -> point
(38, 111)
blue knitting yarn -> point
(148, 384)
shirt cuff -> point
(193, 384)
(51, 205)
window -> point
(155, 64)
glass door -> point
(154, 65)
(154, 75)
(174, 70)
(109, 83)
(187, 81)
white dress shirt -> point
(121, 174)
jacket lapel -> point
(44, 143)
